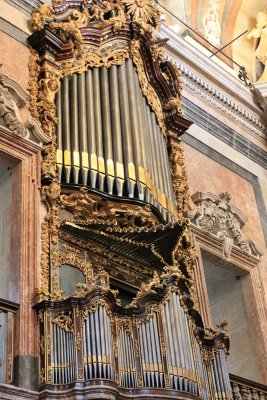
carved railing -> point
(244, 389)
(156, 342)
(7, 319)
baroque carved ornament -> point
(217, 216)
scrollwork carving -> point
(92, 209)
(64, 321)
(216, 215)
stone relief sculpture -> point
(211, 24)
(260, 32)
(217, 216)
(12, 99)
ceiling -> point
(219, 22)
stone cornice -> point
(221, 131)
(26, 6)
(236, 101)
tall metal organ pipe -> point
(109, 138)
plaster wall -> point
(14, 59)
(227, 301)
(206, 175)
(5, 229)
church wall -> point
(14, 59)
(208, 175)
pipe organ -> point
(94, 337)
(116, 226)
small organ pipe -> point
(179, 314)
(74, 129)
(216, 379)
(62, 380)
(110, 349)
(225, 371)
(121, 360)
(146, 146)
(102, 340)
(156, 156)
(135, 126)
(169, 334)
(157, 345)
(126, 132)
(174, 326)
(106, 342)
(66, 130)
(83, 128)
(98, 129)
(144, 355)
(155, 177)
(126, 354)
(59, 136)
(151, 344)
(68, 353)
(91, 140)
(116, 129)
(92, 330)
(89, 338)
(106, 127)
(85, 351)
(220, 375)
(64, 349)
(53, 355)
(142, 133)
(158, 149)
(98, 342)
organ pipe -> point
(108, 137)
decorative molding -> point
(237, 100)
(217, 216)
(220, 101)
(12, 99)
(227, 135)
(25, 6)
(13, 392)
(261, 91)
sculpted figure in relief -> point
(260, 32)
